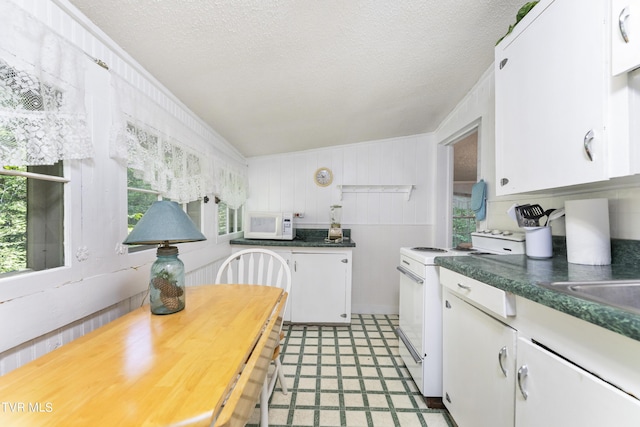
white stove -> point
(425, 254)
(420, 320)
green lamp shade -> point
(164, 222)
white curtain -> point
(42, 111)
(150, 140)
(230, 182)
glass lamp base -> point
(166, 287)
(173, 308)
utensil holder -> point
(538, 242)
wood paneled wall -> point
(381, 223)
(48, 308)
(31, 350)
(285, 182)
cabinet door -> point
(550, 87)
(625, 35)
(562, 394)
(478, 366)
(320, 282)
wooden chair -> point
(260, 267)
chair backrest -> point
(256, 267)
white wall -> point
(478, 107)
(42, 310)
(380, 223)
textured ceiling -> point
(275, 76)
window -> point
(465, 171)
(31, 218)
(464, 219)
(194, 211)
(140, 197)
(229, 219)
(150, 177)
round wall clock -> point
(323, 177)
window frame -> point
(185, 207)
(63, 250)
(238, 222)
(139, 248)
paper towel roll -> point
(587, 225)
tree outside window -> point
(229, 219)
(31, 218)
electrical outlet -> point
(298, 215)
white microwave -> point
(269, 225)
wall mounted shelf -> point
(383, 188)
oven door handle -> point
(412, 351)
(419, 280)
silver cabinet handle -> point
(502, 355)
(522, 374)
(503, 63)
(465, 287)
(447, 304)
(504, 181)
(622, 19)
(588, 138)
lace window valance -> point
(169, 168)
(42, 111)
(149, 140)
(230, 183)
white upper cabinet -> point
(625, 35)
(553, 93)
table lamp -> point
(165, 223)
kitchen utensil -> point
(522, 221)
(531, 215)
(547, 213)
(557, 213)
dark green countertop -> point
(305, 238)
(520, 275)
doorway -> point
(465, 174)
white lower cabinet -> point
(478, 365)
(554, 392)
(320, 284)
(496, 374)
(321, 289)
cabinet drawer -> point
(485, 296)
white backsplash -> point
(624, 207)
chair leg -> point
(283, 381)
(267, 389)
(264, 404)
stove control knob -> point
(507, 233)
(496, 232)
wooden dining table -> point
(204, 365)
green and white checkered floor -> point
(348, 376)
